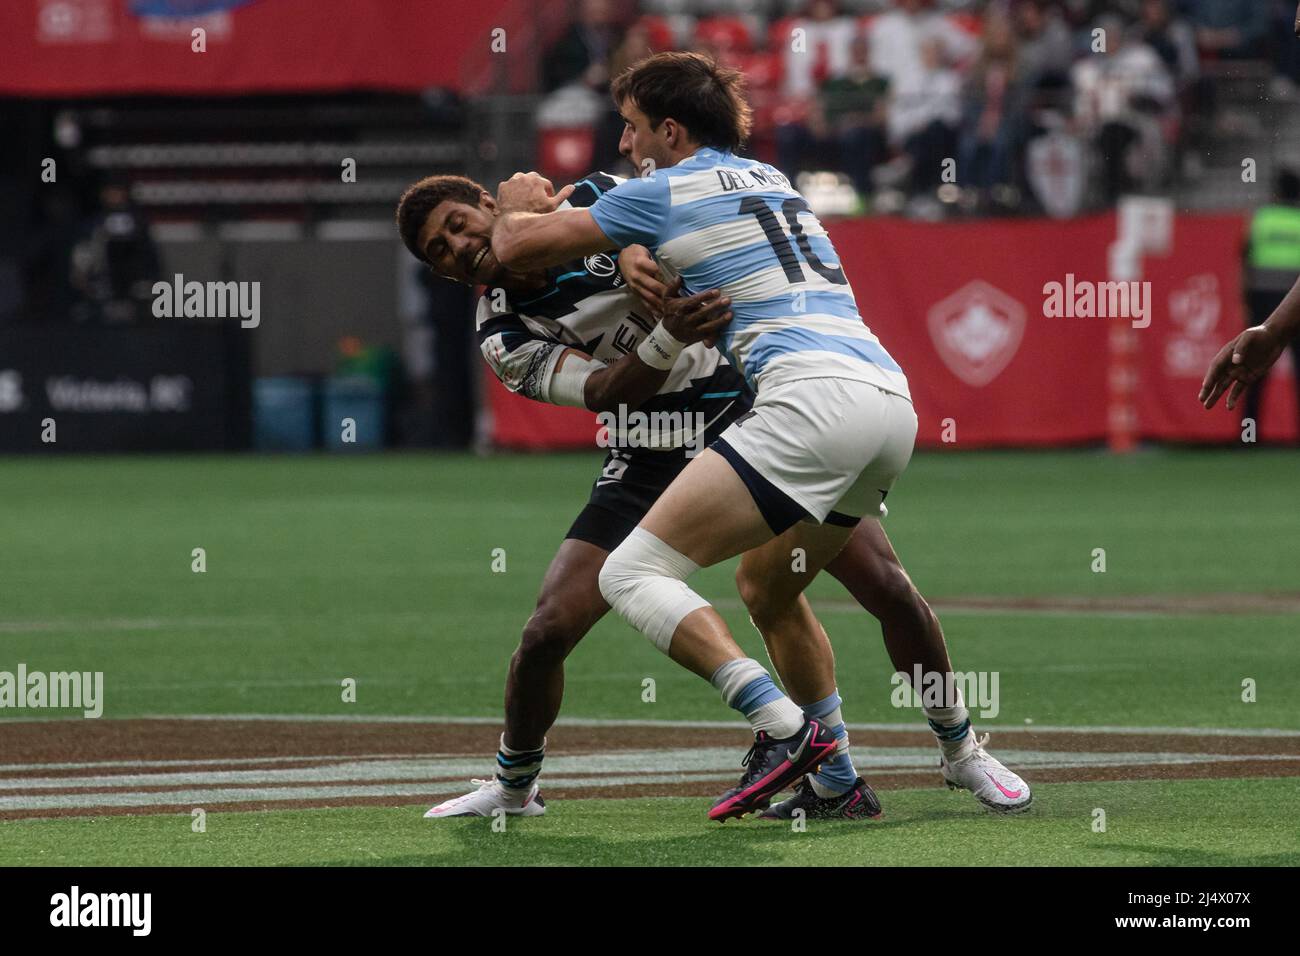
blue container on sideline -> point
(360, 399)
(283, 414)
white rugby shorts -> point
(832, 446)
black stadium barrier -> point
(183, 386)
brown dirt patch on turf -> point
(267, 745)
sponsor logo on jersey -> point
(600, 265)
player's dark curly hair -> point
(423, 197)
(692, 89)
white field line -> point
(200, 797)
(201, 762)
(836, 605)
(113, 624)
(431, 777)
(992, 728)
(723, 724)
(611, 767)
(954, 606)
(110, 625)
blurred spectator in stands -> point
(914, 47)
(1122, 98)
(576, 71)
(1172, 38)
(115, 266)
(1286, 50)
(923, 121)
(581, 54)
(1046, 48)
(1231, 29)
(1174, 41)
(993, 112)
(817, 49)
(1081, 14)
(898, 36)
(635, 45)
(846, 123)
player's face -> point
(639, 142)
(457, 242)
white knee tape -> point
(644, 580)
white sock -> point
(951, 728)
(780, 718)
(822, 790)
(748, 688)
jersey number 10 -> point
(753, 205)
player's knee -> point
(549, 636)
(619, 576)
(764, 599)
(894, 596)
(636, 564)
(754, 594)
(643, 579)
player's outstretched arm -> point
(1248, 357)
(532, 232)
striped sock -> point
(517, 769)
(748, 688)
(837, 775)
(951, 727)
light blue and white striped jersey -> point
(722, 222)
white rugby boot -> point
(491, 796)
(987, 778)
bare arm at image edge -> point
(1247, 358)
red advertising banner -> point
(100, 47)
(960, 307)
(1001, 327)
(1199, 305)
(522, 423)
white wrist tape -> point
(568, 382)
(660, 349)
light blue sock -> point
(756, 692)
(837, 774)
(748, 688)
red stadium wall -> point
(960, 306)
(106, 47)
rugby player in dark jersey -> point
(579, 335)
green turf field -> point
(380, 569)
(1221, 823)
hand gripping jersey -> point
(586, 305)
(722, 222)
